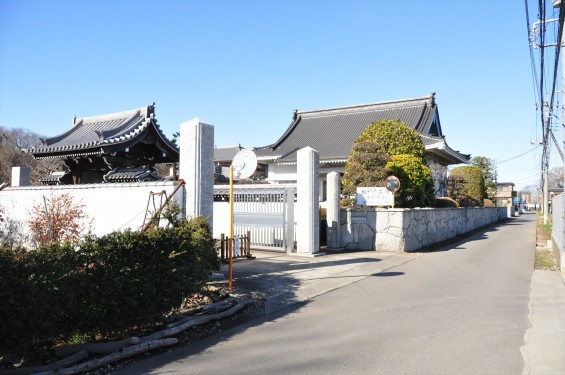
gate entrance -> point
(267, 212)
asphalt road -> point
(459, 311)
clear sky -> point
(245, 66)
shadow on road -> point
(276, 276)
(387, 274)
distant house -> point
(505, 193)
(116, 147)
(332, 132)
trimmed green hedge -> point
(393, 137)
(106, 285)
(416, 181)
(466, 185)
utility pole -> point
(545, 162)
(548, 107)
(557, 4)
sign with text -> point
(374, 196)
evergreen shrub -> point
(466, 185)
(416, 181)
(106, 285)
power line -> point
(517, 156)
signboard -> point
(374, 196)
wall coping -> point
(118, 185)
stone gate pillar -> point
(197, 168)
(333, 210)
(21, 176)
(308, 205)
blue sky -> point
(244, 66)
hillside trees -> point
(385, 148)
(13, 142)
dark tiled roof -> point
(226, 153)
(136, 174)
(332, 131)
(55, 178)
(93, 135)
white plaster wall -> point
(284, 173)
(110, 206)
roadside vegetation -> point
(545, 259)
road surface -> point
(459, 311)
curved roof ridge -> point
(144, 111)
(428, 98)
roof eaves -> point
(456, 155)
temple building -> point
(333, 131)
(116, 147)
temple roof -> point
(110, 133)
(226, 153)
(333, 131)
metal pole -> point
(546, 166)
(148, 224)
(545, 191)
(48, 219)
(557, 3)
(230, 238)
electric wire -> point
(517, 156)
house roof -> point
(333, 131)
(226, 153)
(438, 146)
(105, 134)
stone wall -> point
(411, 229)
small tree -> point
(555, 177)
(384, 148)
(416, 182)
(366, 166)
(466, 186)
(488, 168)
(67, 220)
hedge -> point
(466, 185)
(105, 285)
(416, 181)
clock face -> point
(244, 164)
